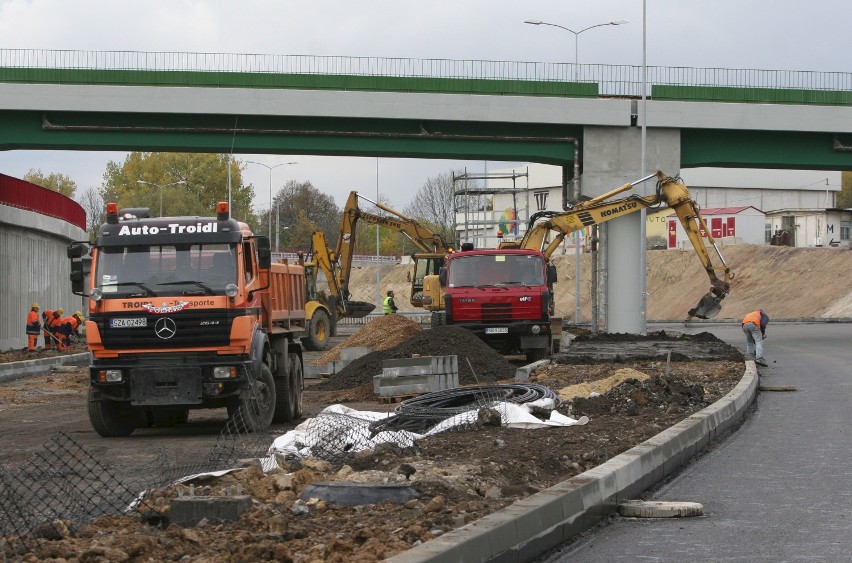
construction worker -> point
(388, 306)
(33, 328)
(56, 329)
(46, 317)
(71, 325)
(754, 328)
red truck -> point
(504, 296)
(188, 313)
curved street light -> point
(161, 189)
(277, 217)
(576, 35)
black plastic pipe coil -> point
(421, 413)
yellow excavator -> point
(336, 265)
(669, 191)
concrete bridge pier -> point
(612, 157)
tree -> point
(302, 209)
(435, 203)
(206, 177)
(93, 204)
(56, 182)
(844, 198)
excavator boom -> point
(671, 192)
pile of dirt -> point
(478, 362)
(380, 334)
(767, 277)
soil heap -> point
(488, 365)
(379, 334)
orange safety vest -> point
(754, 318)
(72, 320)
(32, 323)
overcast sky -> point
(759, 34)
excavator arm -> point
(336, 264)
(671, 192)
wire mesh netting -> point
(62, 485)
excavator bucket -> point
(358, 309)
(707, 308)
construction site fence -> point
(421, 318)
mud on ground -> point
(460, 476)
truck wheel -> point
(288, 395)
(296, 381)
(257, 402)
(319, 332)
(439, 318)
(111, 419)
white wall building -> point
(793, 199)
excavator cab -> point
(425, 265)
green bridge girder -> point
(551, 144)
(95, 131)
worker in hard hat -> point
(56, 328)
(46, 317)
(70, 325)
(33, 328)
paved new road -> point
(780, 487)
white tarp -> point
(298, 441)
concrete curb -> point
(16, 370)
(532, 526)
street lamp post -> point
(576, 75)
(576, 36)
(277, 216)
(161, 189)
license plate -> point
(128, 323)
(497, 330)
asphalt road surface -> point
(779, 488)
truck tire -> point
(111, 419)
(288, 391)
(256, 403)
(439, 318)
(319, 331)
(296, 380)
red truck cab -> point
(504, 296)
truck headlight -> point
(231, 290)
(535, 329)
(224, 372)
(110, 376)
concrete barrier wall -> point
(35, 269)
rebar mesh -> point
(62, 485)
(337, 437)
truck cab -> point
(504, 296)
(188, 313)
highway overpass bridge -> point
(597, 121)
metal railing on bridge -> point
(422, 75)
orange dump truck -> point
(188, 313)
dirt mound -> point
(380, 334)
(767, 277)
(440, 341)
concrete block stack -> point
(347, 356)
(410, 376)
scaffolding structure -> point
(481, 225)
